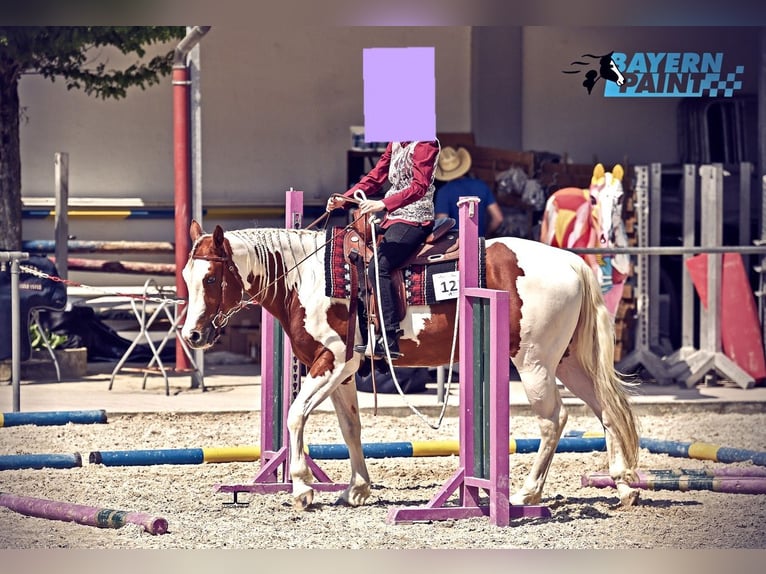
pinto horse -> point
(559, 328)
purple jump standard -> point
(82, 514)
(484, 424)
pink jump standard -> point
(280, 382)
(484, 376)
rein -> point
(224, 317)
(325, 216)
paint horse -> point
(559, 327)
(607, 70)
(575, 217)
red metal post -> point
(182, 170)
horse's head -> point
(214, 284)
(606, 187)
(608, 69)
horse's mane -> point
(276, 252)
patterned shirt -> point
(409, 167)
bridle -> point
(221, 318)
(226, 263)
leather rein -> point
(221, 318)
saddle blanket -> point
(418, 279)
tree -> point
(64, 52)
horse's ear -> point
(218, 236)
(618, 172)
(195, 230)
(598, 174)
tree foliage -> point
(69, 54)
(66, 52)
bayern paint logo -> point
(661, 74)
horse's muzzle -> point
(202, 338)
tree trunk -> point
(10, 164)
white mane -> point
(298, 251)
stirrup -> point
(361, 348)
(364, 347)
(393, 346)
(378, 354)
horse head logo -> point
(607, 70)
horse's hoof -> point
(355, 497)
(303, 501)
(628, 499)
(524, 499)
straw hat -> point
(452, 164)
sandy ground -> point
(184, 494)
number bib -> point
(446, 285)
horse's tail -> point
(594, 349)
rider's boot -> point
(392, 337)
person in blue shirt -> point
(453, 167)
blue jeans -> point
(400, 241)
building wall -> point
(277, 106)
(278, 102)
(496, 75)
(559, 115)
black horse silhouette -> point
(607, 70)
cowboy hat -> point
(452, 164)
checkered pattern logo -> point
(714, 86)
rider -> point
(409, 168)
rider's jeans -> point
(400, 241)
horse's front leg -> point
(346, 405)
(324, 376)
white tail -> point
(593, 343)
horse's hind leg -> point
(346, 403)
(540, 386)
(576, 380)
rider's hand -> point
(371, 206)
(335, 202)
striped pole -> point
(703, 451)
(324, 451)
(727, 471)
(685, 482)
(82, 514)
(175, 456)
(46, 418)
(449, 448)
(581, 442)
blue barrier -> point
(45, 418)
(38, 461)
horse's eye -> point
(210, 280)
